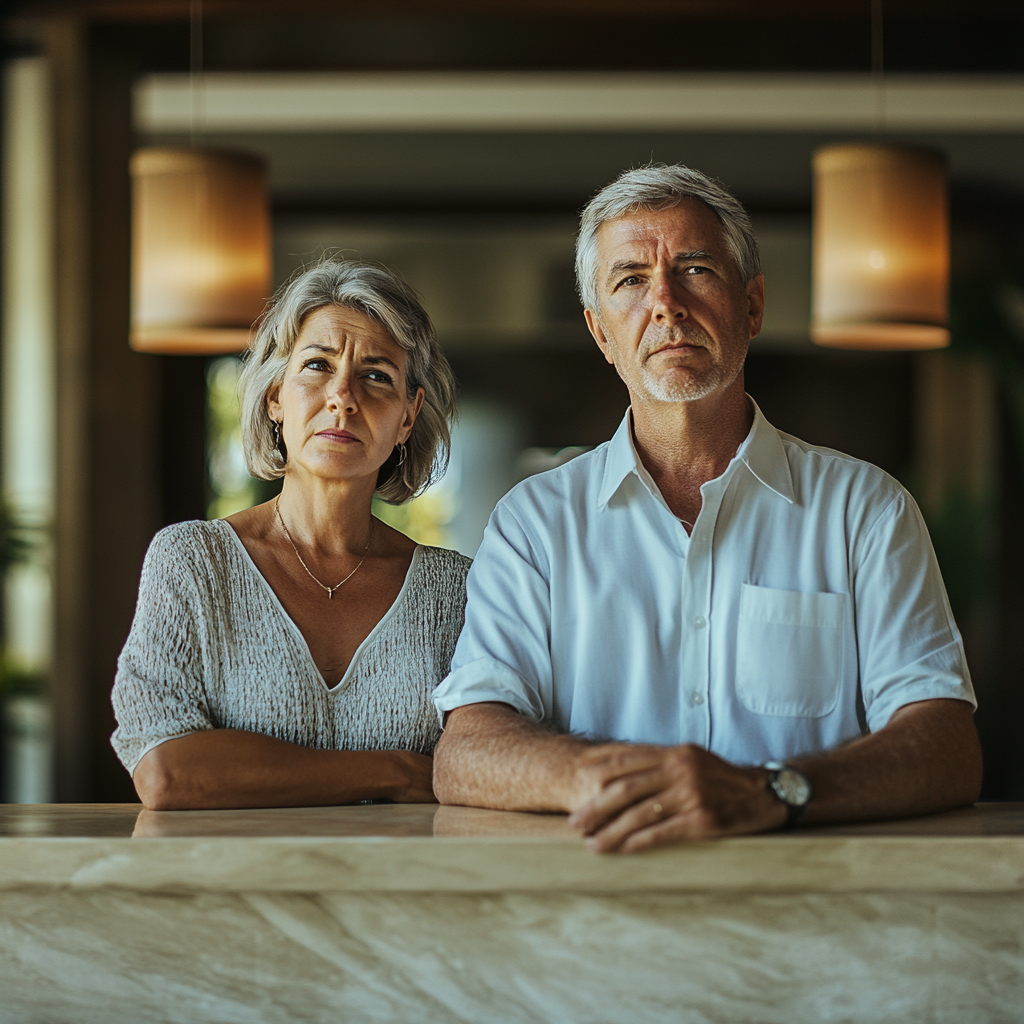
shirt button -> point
(696, 698)
(700, 622)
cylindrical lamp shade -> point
(200, 250)
(881, 248)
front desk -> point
(416, 913)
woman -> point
(286, 655)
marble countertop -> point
(426, 848)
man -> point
(704, 626)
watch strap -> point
(794, 811)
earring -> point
(278, 446)
(401, 453)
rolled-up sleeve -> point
(909, 648)
(504, 652)
(158, 692)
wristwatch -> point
(792, 787)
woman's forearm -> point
(222, 768)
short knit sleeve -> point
(158, 692)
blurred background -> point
(456, 140)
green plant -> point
(18, 539)
(16, 681)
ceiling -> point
(687, 35)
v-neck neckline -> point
(370, 637)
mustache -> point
(683, 333)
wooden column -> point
(123, 510)
(64, 42)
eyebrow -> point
(378, 360)
(372, 360)
(680, 257)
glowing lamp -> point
(200, 250)
(881, 248)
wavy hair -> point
(383, 296)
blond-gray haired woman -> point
(286, 655)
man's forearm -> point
(491, 756)
(927, 759)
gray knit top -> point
(212, 647)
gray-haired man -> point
(705, 626)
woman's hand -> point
(417, 787)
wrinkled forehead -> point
(340, 327)
(689, 226)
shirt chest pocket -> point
(789, 651)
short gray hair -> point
(660, 187)
(383, 296)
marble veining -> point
(510, 957)
(425, 914)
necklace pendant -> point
(330, 590)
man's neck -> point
(685, 444)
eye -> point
(379, 377)
(628, 282)
(693, 271)
(317, 363)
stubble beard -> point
(690, 386)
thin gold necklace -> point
(330, 590)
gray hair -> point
(383, 296)
(660, 187)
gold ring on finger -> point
(659, 810)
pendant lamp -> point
(200, 250)
(881, 248)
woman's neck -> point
(329, 516)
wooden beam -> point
(177, 10)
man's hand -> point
(633, 798)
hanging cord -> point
(196, 92)
(878, 66)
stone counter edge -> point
(973, 864)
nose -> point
(341, 398)
(668, 301)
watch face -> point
(792, 787)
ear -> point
(597, 333)
(755, 304)
(412, 411)
(273, 403)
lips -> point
(341, 436)
(684, 347)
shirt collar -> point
(762, 452)
(765, 456)
(620, 460)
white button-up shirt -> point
(805, 608)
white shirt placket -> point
(695, 654)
